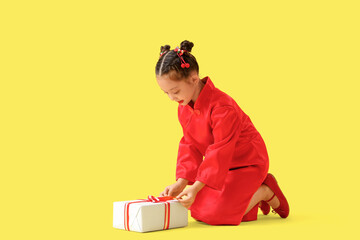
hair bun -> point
(186, 45)
(165, 48)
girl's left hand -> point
(190, 193)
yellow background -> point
(84, 123)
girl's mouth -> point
(181, 101)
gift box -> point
(151, 214)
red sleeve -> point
(225, 123)
(188, 161)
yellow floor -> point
(296, 226)
(83, 122)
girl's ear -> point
(194, 78)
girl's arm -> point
(183, 182)
(198, 186)
(190, 193)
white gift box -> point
(144, 215)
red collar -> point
(204, 96)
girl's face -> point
(180, 91)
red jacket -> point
(217, 129)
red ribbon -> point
(149, 199)
(180, 52)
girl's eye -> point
(174, 93)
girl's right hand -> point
(173, 190)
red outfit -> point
(236, 160)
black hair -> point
(170, 63)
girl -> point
(221, 155)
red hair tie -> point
(180, 52)
(162, 53)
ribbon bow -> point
(159, 199)
(149, 199)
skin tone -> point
(188, 89)
(262, 194)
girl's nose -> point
(171, 97)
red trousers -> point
(228, 206)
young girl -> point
(221, 155)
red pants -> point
(228, 206)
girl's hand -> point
(190, 193)
(173, 190)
